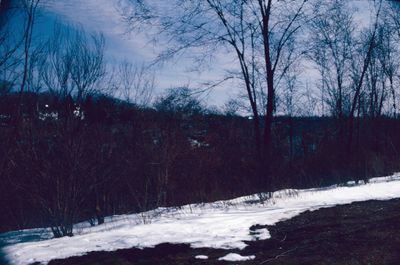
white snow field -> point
(222, 224)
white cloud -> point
(103, 15)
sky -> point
(121, 44)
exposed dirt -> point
(358, 233)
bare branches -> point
(136, 84)
(370, 48)
(29, 6)
(88, 65)
(333, 44)
(239, 28)
(75, 64)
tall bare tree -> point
(30, 9)
(88, 66)
(66, 173)
(75, 63)
(256, 33)
(333, 40)
(360, 68)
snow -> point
(236, 257)
(201, 257)
(221, 224)
(261, 234)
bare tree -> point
(65, 174)
(179, 100)
(333, 43)
(368, 45)
(232, 107)
(379, 72)
(30, 8)
(10, 40)
(394, 16)
(135, 83)
(209, 25)
(56, 73)
(290, 100)
(276, 35)
(344, 58)
(389, 36)
(75, 63)
(88, 66)
(239, 27)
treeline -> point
(112, 157)
(70, 162)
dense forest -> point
(83, 138)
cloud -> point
(103, 15)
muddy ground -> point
(358, 233)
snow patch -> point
(201, 257)
(236, 257)
(221, 224)
(261, 234)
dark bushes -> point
(108, 157)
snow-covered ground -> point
(222, 224)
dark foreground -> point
(358, 233)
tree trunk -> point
(270, 83)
